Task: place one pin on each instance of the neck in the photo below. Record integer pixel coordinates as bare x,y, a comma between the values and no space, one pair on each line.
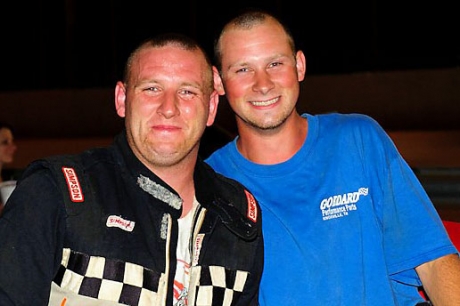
273,146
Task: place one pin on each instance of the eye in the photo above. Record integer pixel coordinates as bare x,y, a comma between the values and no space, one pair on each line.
187,92
275,64
242,70
152,89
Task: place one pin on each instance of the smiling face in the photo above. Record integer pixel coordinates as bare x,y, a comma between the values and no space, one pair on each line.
7,146
167,103
261,74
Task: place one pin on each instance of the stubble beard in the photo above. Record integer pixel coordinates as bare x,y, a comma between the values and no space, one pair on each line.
266,124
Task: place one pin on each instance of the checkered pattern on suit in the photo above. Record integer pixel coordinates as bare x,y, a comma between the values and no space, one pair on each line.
216,286
107,279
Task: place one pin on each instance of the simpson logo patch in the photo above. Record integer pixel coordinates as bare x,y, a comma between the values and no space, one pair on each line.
197,248
117,221
252,207
75,192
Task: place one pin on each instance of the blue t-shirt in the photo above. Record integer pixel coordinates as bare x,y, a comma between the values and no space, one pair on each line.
345,220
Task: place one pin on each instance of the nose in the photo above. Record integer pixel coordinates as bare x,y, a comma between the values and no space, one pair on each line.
168,107
263,82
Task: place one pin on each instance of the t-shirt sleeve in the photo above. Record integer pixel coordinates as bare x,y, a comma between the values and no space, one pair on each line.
413,232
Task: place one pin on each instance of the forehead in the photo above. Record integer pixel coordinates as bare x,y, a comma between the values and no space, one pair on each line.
171,61
5,132
267,37
170,56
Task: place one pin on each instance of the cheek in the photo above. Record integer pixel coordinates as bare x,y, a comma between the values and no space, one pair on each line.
189,113
190,108
237,88
290,80
196,115
139,111
292,85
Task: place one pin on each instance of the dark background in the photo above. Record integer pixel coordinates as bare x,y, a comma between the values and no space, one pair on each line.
395,60
83,44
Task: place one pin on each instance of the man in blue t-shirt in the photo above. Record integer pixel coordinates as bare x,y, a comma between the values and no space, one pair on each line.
346,222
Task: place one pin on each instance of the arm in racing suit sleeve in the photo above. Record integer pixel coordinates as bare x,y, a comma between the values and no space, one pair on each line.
32,230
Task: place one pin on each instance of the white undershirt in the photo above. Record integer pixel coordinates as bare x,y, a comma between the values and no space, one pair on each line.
182,277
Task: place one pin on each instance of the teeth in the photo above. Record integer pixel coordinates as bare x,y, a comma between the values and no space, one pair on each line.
264,103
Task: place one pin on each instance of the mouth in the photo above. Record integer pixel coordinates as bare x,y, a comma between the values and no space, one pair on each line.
265,103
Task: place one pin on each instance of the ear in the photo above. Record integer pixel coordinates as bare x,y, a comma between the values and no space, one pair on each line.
120,99
218,86
213,103
301,65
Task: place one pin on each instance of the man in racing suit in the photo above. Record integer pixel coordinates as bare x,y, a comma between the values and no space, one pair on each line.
103,228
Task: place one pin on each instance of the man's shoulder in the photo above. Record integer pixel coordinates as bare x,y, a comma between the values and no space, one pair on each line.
230,194
80,161
345,118
347,123
56,164
222,181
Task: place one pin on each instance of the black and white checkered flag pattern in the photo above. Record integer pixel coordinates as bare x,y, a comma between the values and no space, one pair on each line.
216,286
107,279
131,284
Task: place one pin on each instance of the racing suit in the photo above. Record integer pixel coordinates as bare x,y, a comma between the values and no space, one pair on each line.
99,228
